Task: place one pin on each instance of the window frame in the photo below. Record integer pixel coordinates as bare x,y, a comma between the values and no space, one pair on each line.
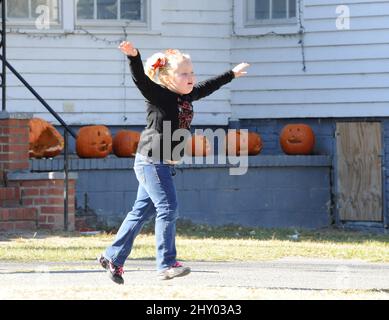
270,21
245,27
115,23
68,23
29,23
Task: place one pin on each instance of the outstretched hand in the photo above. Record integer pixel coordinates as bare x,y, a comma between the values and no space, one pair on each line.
240,69
128,49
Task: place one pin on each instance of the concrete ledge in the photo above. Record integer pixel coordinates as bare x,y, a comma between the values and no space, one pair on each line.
16,176
291,161
113,162
4,115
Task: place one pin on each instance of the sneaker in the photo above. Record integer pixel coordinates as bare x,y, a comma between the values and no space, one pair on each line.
115,273
104,262
176,270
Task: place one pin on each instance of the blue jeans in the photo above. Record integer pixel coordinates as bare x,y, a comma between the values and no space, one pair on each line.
156,196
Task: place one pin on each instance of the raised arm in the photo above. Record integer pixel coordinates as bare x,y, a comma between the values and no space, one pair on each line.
207,87
149,89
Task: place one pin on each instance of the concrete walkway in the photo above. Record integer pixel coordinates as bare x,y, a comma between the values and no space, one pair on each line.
292,278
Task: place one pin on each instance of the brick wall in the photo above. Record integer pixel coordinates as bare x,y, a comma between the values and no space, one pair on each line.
45,193
14,144
29,200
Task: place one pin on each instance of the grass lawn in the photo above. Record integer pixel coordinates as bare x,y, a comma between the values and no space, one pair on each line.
203,243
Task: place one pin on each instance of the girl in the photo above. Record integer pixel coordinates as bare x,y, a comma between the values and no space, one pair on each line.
169,86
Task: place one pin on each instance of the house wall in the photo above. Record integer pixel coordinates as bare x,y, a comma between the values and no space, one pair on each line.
346,71
334,75
86,78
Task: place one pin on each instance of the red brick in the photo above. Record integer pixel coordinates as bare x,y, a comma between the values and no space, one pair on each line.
46,226
51,226
7,226
34,183
29,192
14,123
9,193
15,148
18,158
51,191
4,214
26,214
52,210
39,201
27,202
57,183
19,139
15,131
13,183
25,225
55,201
9,203
16,165
15,214
50,219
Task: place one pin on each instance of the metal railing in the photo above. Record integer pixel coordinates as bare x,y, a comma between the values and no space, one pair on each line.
67,129
3,45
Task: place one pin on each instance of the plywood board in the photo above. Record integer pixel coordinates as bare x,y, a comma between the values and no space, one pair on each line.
359,178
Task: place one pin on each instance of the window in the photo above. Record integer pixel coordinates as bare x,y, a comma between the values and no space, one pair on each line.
258,17
111,10
271,11
28,12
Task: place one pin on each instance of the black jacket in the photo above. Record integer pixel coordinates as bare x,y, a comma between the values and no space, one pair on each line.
165,105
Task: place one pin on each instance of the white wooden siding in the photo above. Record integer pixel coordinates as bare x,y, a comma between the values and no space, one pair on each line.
347,71
93,76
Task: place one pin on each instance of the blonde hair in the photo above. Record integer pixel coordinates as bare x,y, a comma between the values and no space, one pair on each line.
161,65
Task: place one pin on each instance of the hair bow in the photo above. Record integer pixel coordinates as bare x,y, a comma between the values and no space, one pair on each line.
161,62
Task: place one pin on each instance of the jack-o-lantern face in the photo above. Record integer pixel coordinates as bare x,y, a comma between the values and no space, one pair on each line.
243,143
297,139
198,146
44,140
125,143
93,142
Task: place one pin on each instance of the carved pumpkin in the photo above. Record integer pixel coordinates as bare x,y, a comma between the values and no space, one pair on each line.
125,143
297,139
44,140
198,146
93,142
249,143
